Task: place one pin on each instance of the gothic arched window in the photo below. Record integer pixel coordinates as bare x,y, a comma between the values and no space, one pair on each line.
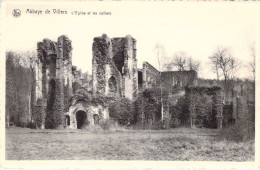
112,84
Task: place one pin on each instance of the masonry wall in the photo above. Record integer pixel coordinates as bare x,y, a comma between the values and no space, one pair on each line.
107,79
114,67
151,76
178,79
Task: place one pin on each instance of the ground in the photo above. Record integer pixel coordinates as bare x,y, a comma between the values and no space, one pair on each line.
172,144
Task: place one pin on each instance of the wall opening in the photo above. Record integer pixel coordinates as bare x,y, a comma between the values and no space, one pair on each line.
119,61
67,120
140,79
96,119
112,85
81,118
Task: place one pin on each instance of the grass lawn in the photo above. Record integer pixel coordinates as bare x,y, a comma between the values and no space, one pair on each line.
173,144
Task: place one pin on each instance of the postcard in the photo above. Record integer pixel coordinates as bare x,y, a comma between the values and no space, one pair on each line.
122,84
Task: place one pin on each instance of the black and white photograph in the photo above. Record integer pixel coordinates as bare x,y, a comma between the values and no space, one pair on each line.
129,81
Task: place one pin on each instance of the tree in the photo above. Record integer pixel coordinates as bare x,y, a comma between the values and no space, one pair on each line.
215,67
18,87
251,64
182,62
193,64
225,65
161,54
179,61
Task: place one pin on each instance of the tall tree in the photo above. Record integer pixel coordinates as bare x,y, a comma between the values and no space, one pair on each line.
226,66
193,64
251,64
182,62
160,55
18,87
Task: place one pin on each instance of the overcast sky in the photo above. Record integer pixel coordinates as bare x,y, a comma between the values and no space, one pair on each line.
196,28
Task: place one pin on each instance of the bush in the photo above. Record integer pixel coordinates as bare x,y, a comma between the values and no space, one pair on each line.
21,124
147,107
105,124
180,113
31,125
242,130
122,111
110,125
158,125
175,122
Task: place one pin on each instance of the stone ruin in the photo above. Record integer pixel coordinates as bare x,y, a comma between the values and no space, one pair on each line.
114,67
62,92
53,81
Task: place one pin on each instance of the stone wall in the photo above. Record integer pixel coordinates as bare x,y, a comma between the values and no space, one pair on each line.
178,79
150,76
114,67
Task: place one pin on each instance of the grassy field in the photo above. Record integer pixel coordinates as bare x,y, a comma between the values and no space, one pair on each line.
172,144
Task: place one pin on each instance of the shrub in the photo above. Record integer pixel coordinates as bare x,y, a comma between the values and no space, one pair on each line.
110,125
175,122
122,111
242,130
105,124
180,113
147,107
157,125
31,125
21,124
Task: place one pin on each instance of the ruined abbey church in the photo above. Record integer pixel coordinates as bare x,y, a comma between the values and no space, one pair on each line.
114,74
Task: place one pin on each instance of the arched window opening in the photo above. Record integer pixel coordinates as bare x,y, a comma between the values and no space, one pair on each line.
96,119
112,85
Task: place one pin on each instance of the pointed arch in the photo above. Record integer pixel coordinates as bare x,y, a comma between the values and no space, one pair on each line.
112,84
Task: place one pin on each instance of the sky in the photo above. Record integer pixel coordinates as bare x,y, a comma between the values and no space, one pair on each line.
198,29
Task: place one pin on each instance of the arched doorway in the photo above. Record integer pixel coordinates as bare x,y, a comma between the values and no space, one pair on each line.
112,85
81,118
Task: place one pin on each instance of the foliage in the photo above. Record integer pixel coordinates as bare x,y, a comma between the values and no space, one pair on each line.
148,106
122,111
204,105
31,125
242,130
180,113
19,81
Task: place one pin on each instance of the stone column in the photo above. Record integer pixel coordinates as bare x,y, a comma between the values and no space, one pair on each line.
144,76
102,54
218,107
58,107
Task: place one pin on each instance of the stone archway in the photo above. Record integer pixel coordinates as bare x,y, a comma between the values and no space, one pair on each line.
81,117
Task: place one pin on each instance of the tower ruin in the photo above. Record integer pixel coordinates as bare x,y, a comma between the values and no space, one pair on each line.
53,81
114,67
